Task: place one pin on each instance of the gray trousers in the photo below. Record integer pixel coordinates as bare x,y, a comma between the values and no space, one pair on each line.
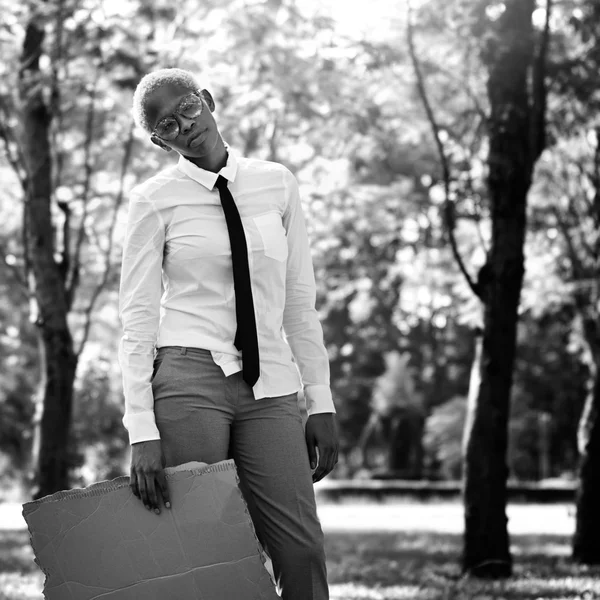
203,415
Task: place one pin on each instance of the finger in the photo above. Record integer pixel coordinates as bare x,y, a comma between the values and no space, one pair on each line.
143,490
328,463
312,452
321,468
152,495
331,461
133,484
318,474
162,486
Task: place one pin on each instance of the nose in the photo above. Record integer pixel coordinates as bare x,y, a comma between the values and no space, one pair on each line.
185,124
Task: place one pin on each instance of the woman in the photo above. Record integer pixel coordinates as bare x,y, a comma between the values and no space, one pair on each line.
207,372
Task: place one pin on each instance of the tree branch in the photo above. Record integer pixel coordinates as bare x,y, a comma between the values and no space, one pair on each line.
14,156
64,265
477,218
595,178
579,270
576,220
73,279
16,272
448,205
54,104
107,254
466,87
539,91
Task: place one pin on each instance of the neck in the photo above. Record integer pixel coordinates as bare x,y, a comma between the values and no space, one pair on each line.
215,160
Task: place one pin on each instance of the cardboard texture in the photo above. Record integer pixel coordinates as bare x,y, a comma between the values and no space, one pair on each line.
101,542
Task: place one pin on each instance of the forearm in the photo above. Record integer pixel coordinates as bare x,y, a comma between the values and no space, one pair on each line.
139,312
305,336
136,358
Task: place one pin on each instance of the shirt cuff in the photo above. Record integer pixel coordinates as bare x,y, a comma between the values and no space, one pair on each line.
141,427
318,399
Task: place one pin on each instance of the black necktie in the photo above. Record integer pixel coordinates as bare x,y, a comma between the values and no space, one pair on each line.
246,338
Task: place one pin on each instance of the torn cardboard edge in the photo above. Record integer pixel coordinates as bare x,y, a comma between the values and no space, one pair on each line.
107,486
100,487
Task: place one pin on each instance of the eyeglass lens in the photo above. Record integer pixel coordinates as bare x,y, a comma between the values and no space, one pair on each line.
168,128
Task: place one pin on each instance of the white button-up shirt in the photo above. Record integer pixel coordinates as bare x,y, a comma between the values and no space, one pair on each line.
176,285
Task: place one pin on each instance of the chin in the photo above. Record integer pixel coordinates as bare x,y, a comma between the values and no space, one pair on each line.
193,152
202,150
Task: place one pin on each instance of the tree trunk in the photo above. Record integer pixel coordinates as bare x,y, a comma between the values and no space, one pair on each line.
59,361
586,541
405,445
508,55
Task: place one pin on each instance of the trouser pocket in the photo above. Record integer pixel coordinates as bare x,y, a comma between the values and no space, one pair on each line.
159,362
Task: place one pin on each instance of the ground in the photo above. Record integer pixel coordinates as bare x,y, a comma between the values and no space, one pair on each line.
396,551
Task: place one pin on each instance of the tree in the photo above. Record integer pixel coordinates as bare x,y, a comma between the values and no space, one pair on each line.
568,207
46,274
55,159
516,138
569,201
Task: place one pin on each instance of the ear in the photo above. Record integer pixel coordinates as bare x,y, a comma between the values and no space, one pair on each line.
208,99
160,143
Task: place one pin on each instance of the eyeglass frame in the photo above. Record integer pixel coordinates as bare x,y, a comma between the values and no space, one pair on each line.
176,112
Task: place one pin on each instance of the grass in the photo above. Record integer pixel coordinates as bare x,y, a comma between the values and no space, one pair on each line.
424,566
378,553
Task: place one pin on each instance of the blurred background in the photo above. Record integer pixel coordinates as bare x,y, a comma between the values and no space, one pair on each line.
387,127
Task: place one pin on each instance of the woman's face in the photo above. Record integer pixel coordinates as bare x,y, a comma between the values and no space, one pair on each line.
197,136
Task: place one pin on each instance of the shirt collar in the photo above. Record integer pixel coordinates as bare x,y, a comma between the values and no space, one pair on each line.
208,178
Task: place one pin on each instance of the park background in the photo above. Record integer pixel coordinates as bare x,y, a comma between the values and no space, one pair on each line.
393,122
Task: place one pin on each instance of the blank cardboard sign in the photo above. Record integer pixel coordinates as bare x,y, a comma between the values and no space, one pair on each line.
101,542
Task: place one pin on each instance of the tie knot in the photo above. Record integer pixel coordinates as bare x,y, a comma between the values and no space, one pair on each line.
221,182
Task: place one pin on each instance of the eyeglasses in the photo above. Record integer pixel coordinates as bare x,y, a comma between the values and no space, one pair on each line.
168,128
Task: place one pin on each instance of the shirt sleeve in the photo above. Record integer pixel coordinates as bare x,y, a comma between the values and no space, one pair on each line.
139,311
300,318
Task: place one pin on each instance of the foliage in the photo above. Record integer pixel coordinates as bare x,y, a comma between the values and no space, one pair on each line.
99,440
342,111
443,438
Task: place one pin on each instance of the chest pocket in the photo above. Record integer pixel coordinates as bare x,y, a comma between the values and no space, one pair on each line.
273,236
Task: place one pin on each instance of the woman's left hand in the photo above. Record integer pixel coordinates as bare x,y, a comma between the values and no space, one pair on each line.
322,432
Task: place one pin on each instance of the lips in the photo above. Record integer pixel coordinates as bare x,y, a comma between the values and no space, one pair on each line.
197,139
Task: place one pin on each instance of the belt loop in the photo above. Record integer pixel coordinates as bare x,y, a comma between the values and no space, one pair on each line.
182,350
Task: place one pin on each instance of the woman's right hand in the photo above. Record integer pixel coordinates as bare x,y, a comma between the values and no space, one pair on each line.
147,478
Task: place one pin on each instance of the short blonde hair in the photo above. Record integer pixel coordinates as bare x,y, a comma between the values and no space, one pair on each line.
153,81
